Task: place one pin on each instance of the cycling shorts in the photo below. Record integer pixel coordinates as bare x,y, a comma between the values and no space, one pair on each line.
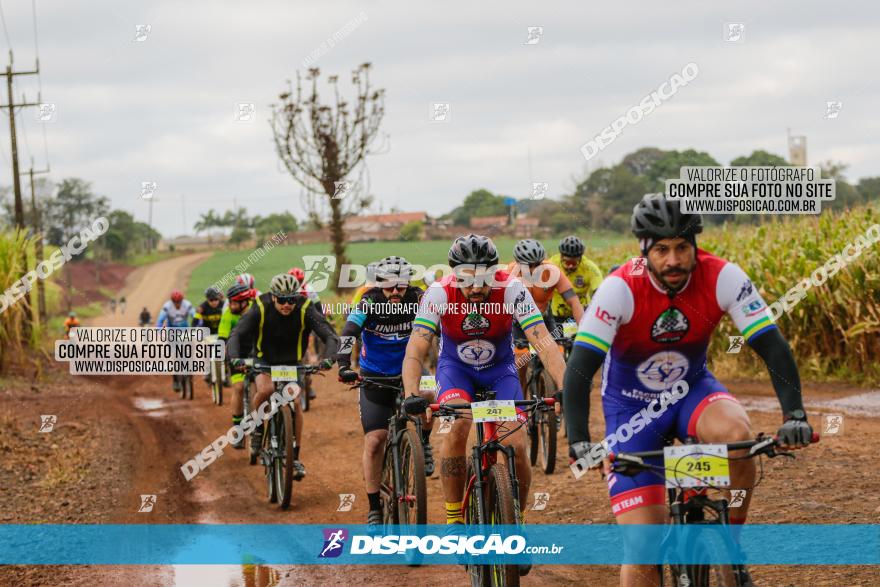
376,405
460,382
679,420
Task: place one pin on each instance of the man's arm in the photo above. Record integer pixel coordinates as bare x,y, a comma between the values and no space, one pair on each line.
548,351
414,360
350,329
319,324
241,339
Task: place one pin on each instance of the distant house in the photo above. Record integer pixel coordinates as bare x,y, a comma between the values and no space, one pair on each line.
523,226
366,228
193,243
489,225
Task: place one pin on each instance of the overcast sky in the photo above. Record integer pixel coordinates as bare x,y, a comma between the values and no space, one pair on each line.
163,109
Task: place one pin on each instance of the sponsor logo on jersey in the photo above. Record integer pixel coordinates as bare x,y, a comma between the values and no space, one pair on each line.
670,326
663,369
475,324
745,291
605,317
579,281
477,353
753,309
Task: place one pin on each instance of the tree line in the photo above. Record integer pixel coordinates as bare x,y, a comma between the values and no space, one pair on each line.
604,199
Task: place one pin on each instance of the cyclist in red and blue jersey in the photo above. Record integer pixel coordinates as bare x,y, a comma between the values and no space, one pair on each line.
474,310
649,324
176,313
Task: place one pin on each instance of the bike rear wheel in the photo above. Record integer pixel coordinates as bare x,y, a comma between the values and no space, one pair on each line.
533,429
412,508
547,427
283,461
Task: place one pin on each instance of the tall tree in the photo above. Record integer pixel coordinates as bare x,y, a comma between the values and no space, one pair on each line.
322,145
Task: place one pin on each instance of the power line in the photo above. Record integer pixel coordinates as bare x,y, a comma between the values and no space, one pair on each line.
5,31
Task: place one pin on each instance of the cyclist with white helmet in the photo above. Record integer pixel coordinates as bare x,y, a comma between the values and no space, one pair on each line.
383,322
277,327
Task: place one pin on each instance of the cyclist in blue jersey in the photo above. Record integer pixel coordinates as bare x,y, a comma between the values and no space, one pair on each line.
383,320
176,313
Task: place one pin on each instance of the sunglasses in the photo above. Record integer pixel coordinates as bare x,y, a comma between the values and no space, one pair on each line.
286,300
395,286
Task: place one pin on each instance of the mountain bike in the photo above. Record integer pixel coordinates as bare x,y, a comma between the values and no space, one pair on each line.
279,437
403,487
689,502
492,491
543,424
216,375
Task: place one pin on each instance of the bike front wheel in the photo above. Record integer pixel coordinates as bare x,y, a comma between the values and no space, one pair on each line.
501,507
412,503
283,461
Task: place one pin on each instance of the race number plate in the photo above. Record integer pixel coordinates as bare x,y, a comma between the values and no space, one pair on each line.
696,465
496,410
283,373
428,383
569,328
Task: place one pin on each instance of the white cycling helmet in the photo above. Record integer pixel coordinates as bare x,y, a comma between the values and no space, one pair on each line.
284,285
246,279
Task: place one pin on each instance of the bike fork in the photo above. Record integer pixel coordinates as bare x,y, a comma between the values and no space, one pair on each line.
510,454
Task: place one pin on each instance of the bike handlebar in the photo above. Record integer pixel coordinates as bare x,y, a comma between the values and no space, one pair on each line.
757,446
546,401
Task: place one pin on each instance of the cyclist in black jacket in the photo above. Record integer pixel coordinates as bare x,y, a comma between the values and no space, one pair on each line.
277,327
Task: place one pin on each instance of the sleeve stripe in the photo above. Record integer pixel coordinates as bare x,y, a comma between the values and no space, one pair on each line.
531,321
425,323
590,346
757,326
588,340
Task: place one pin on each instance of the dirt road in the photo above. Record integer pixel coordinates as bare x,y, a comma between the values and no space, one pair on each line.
134,434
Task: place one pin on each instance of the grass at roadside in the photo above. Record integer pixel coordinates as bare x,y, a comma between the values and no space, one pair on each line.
282,258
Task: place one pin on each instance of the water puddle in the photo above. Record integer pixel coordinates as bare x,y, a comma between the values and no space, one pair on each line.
226,575
147,404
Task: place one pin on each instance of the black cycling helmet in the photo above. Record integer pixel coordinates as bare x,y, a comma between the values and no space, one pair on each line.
473,249
571,246
529,251
237,291
212,293
657,218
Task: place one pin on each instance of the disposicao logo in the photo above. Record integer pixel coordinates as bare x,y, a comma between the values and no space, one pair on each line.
334,539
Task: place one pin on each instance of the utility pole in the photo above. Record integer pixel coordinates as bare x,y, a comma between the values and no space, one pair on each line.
16,180
37,222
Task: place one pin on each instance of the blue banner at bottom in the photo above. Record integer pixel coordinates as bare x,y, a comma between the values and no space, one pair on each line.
143,544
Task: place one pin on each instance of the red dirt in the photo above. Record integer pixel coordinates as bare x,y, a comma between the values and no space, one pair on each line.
129,436
89,278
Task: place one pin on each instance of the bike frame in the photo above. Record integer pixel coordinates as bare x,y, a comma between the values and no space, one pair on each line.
485,453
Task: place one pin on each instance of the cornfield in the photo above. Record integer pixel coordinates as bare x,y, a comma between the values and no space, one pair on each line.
12,345
834,331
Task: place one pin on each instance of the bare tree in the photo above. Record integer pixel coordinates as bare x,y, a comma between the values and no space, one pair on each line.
323,146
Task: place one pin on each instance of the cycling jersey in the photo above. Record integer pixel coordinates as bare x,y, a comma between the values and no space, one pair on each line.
356,298
584,279
650,341
476,347
175,317
207,316
384,329
543,283
228,320
280,339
